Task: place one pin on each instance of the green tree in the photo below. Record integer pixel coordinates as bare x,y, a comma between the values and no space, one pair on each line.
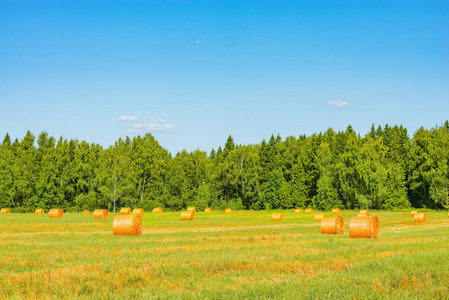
114,173
327,196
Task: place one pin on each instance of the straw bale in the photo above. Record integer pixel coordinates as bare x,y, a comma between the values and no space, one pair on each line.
157,210
191,209
228,210
188,215
318,217
125,211
39,211
298,211
5,211
139,211
130,224
364,227
414,212
309,211
333,225
363,213
101,214
56,213
208,210
336,211
86,211
277,217
420,218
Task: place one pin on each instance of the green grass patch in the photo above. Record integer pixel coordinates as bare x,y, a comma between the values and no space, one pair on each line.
241,255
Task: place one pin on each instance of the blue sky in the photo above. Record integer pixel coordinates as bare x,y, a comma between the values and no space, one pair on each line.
193,72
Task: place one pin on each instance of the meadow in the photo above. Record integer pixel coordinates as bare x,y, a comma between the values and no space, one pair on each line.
239,255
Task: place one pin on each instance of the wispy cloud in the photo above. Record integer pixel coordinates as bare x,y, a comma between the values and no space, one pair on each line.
127,118
135,131
338,104
147,124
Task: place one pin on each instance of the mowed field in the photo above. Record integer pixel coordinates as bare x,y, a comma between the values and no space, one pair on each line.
241,255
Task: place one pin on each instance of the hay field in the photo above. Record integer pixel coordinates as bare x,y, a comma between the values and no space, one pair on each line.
222,256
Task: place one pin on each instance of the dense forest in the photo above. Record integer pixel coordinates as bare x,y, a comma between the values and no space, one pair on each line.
384,169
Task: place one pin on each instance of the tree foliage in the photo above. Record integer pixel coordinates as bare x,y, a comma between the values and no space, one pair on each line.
384,169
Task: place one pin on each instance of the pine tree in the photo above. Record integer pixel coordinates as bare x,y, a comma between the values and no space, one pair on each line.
229,146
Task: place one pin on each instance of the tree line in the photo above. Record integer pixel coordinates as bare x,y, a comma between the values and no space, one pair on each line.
384,169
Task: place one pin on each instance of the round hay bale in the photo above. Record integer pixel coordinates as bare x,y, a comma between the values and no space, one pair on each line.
298,211
414,212
86,211
139,211
56,213
157,210
363,214
333,225
309,211
228,210
364,211
188,215
318,217
336,211
191,209
277,217
101,214
208,210
125,211
5,211
39,211
420,218
364,227
130,224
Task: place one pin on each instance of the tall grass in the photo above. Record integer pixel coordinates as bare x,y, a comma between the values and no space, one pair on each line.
222,256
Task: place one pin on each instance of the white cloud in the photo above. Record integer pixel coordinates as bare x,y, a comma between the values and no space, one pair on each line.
135,131
127,118
338,104
147,124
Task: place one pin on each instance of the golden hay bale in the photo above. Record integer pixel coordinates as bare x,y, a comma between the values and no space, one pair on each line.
191,209
363,213
336,211
188,215
228,210
39,211
309,211
414,212
318,217
101,214
298,211
86,211
277,217
333,225
420,218
139,211
364,227
5,211
157,210
130,224
208,210
56,213
125,211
